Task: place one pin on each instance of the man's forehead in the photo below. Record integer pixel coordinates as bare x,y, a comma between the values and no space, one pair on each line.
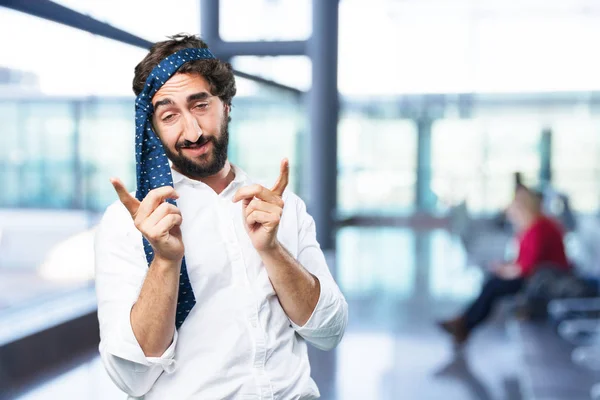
182,84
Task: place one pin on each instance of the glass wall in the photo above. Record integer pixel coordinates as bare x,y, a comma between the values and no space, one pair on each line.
534,57
459,46
66,61
377,159
576,160
149,19
106,149
477,144
239,20
268,124
292,71
60,154
475,160
377,262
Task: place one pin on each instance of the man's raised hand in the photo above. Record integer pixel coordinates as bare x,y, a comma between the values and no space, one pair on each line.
158,220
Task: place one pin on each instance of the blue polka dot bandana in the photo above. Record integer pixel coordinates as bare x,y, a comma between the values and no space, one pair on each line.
152,164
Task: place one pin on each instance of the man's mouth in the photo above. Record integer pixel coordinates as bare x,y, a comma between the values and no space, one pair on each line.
196,148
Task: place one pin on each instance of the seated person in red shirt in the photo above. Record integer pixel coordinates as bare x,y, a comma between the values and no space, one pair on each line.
540,242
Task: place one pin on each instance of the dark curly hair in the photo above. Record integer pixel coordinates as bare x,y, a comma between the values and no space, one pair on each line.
219,74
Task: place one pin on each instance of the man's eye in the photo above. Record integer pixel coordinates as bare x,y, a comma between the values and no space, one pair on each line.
168,118
201,106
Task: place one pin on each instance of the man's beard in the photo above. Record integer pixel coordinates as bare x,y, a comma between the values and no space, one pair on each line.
207,164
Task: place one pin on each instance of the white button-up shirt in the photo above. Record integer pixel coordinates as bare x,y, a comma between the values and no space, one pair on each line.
237,342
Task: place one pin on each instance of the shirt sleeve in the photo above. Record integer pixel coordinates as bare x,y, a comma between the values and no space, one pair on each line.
120,272
325,327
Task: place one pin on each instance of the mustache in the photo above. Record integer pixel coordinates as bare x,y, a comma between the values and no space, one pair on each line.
200,142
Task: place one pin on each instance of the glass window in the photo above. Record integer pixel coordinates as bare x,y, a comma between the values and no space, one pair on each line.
46,144
12,158
253,20
293,71
450,276
456,175
107,149
377,159
512,145
267,125
576,161
66,61
152,20
376,261
413,64
487,46
476,160
58,129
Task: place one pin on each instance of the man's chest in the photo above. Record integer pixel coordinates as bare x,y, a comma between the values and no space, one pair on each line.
218,251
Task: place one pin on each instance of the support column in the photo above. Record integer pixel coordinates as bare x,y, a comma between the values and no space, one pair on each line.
79,194
424,199
323,110
323,107
546,157
209,24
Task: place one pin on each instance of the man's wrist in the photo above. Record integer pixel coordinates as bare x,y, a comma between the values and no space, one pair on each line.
274,251
164,264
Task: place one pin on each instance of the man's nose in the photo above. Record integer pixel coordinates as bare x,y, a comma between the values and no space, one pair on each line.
192,130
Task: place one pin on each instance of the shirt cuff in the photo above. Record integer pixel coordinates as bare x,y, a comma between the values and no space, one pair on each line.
130,349
318,317
167,359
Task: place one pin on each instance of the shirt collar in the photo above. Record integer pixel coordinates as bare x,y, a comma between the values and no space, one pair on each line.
239,178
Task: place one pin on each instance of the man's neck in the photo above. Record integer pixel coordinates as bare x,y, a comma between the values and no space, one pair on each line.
219,181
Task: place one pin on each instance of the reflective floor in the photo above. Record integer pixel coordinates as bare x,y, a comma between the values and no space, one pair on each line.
397,284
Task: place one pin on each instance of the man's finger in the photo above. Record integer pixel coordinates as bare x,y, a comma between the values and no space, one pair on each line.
247,193
261,217
260,205
131,203
167,223
160,212
284,177
154,199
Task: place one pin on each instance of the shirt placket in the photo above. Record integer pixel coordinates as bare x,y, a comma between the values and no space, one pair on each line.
242,280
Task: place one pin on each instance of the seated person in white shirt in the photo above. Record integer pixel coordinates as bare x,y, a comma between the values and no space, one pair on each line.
261,285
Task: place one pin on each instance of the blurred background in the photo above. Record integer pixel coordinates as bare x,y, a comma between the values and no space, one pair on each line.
405,122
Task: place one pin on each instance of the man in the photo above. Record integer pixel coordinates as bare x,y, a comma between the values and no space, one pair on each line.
208,285
540,243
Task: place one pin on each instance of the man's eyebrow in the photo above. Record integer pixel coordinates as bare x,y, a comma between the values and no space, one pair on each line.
198,96
190,98
164,102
